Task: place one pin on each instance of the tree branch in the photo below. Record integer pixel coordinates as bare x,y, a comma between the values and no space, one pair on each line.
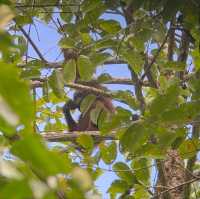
147,69
31,42
138,88
176,187
72,136
89,88
60,64
191,162
22,5
36,83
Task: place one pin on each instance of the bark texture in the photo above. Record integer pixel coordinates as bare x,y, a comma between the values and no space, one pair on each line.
171,174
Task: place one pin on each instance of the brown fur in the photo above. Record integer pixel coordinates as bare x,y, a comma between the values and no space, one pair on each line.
85,123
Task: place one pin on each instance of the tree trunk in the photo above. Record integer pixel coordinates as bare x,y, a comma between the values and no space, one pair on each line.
171,174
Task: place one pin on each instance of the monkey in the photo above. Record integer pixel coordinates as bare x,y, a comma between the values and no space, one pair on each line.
84,122
103,102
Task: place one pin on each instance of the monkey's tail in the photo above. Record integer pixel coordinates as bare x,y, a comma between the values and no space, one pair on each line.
70,121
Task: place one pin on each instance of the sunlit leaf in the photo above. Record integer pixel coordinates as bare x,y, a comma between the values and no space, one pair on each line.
124,172
86,67
82,177
87,103
134,137
16,93
85,141
117,186
108,152
110,26
45,163
56,81
6,15
69,71
18,189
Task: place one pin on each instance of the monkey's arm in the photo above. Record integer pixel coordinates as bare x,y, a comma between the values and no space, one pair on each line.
70,105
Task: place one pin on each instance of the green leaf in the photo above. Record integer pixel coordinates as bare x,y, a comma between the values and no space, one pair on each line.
30,73
89,5
95,113
108,122
141,192
141,166
56,82
117,186
165,101
66,43
15,92
86,68
92,15
106,43
23,20
104,77
22,44
18,189
6,45
174,65
108,152
43,162
134,137
86,103
99,58
66,14
126,97
196,58
45,91
194,84
6,15
184,113
149,150
134,59
82,178
86,38
85,141
110,26
124,172
70,71
189,148
34,64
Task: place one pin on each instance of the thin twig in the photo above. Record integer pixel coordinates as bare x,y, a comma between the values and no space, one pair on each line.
21,5
31,42
155,57
176,187
60,64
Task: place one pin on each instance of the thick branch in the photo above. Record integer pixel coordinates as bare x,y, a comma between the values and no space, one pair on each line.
171,42
97,91
72,136
89,88
191,162
36,83
161,180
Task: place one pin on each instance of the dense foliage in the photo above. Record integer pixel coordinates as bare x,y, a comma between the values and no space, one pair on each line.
157,41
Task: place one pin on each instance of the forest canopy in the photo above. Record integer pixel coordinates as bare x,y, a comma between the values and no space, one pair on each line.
127,75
